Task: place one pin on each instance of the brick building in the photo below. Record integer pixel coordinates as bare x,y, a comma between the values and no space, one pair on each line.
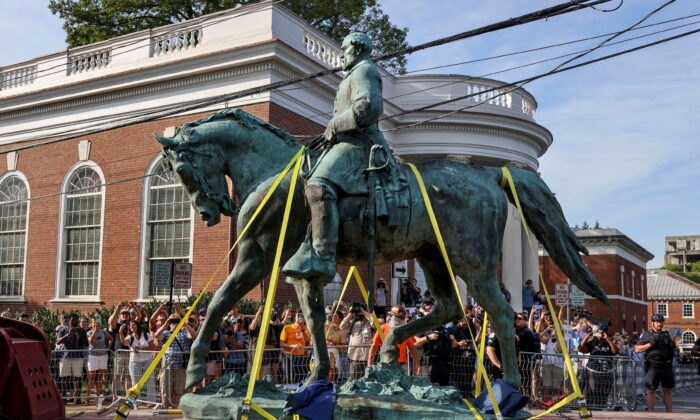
677,299
619,264
83,220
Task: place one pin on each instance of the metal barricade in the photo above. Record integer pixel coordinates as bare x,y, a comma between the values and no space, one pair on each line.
130,366
82,376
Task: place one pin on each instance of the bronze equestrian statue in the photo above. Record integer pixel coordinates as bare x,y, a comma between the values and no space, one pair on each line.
468,202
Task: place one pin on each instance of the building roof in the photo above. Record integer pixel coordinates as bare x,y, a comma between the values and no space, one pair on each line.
666,285
612,236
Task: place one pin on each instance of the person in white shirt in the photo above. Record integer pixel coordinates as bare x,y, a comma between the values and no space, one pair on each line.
140,344
381,297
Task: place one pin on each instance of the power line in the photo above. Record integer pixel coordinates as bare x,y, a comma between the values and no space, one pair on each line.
513,85
563,8
521,82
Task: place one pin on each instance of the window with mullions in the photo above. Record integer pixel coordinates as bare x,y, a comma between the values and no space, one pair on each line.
662,309
688,338
688,311
13,235
83,227
169,224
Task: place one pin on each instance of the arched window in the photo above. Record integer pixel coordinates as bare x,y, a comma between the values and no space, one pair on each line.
168,230
82,233
688,338
13,235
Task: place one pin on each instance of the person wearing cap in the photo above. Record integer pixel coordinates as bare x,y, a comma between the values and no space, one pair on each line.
599,343
361,332
659,348
293,340
397,317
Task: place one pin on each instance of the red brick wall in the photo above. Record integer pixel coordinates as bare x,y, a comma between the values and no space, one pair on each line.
624,314
675,315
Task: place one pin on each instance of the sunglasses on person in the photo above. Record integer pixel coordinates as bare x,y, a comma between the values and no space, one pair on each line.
520,318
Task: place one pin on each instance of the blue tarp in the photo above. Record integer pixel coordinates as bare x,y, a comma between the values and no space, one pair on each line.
509,400
314,402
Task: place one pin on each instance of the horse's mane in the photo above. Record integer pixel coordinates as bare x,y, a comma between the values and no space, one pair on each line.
241,117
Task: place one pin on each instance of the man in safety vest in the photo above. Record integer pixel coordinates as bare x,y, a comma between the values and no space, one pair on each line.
659,349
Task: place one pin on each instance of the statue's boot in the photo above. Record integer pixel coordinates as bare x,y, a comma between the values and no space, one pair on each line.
318,258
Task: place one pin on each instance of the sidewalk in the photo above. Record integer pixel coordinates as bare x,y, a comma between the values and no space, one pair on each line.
686,405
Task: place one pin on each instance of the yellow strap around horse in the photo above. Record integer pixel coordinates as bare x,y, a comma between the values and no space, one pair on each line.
272,290
507,179
443,250
133,392
481,350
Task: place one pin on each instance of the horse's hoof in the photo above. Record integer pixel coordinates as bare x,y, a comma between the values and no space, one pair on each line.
196,372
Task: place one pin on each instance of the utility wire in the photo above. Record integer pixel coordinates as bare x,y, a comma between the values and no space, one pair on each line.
563,8
514,85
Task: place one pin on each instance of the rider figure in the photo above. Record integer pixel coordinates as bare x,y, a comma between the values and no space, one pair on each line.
351,133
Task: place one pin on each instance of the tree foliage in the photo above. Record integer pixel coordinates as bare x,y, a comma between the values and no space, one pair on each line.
88,21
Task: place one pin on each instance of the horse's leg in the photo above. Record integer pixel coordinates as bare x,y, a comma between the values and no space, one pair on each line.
446,308
483,283
249,269
310,293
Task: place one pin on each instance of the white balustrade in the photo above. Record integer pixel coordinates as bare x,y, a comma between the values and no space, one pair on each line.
18,77
92,60
528,107
500,97
321,50
174,42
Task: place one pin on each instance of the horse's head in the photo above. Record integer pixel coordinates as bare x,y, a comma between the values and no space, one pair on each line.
201,171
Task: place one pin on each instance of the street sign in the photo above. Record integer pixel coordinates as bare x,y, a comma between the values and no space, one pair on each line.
562,294
182,275
399,269
162,271
577,297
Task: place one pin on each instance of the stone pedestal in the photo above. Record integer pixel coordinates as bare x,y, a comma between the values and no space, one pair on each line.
383,393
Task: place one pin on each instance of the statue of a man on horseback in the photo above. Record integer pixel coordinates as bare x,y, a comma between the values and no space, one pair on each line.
349,137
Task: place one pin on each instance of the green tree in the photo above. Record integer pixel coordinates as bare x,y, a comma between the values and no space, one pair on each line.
88,21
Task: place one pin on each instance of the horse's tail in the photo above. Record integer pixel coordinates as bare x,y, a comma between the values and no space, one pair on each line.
546,220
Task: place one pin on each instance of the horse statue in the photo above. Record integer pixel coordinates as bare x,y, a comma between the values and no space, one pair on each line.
468,202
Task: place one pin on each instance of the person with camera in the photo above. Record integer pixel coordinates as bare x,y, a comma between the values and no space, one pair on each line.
293,340
527,346
271,355
552,365
175,358
357,322
437,348
99,341
381,296
74,339
659,348
140,343
335,339
397,317
463,355
120,319
236,345
601,349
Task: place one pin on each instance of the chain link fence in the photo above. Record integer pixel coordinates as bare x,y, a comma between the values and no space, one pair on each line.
606,382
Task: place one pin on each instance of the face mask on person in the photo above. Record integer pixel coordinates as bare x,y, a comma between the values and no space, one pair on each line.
395,321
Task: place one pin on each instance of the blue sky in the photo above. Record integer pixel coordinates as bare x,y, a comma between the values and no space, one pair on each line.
626,143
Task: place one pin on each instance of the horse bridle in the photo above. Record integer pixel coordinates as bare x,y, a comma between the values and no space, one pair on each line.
184,150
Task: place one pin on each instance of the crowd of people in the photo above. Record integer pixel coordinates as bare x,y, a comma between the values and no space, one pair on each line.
97,358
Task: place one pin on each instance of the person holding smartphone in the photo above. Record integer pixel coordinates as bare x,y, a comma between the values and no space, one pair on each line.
601,347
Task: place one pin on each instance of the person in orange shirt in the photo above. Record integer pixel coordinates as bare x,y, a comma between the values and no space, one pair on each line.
293,339
397,317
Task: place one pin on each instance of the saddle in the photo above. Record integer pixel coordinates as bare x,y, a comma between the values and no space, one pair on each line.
391,192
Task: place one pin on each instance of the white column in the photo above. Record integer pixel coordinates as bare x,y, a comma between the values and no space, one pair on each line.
513,258
531,260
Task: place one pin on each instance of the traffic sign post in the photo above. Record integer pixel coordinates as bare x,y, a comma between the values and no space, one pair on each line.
162,272
562,294
182,275
399,269
577,297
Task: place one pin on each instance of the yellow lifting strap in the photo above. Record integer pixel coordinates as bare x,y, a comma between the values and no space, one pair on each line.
443,250
123,411
272,290
353,273
481,349
507,179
